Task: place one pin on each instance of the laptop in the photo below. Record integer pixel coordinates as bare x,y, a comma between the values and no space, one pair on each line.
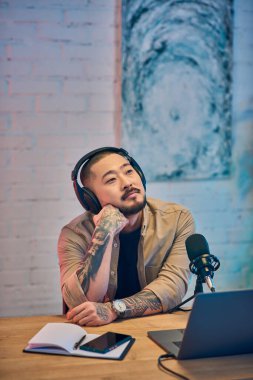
219,324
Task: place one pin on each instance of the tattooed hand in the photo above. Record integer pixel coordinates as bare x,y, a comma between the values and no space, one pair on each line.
109,222
110,219
92,314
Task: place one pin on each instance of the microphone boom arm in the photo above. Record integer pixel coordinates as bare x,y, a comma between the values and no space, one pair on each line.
198,289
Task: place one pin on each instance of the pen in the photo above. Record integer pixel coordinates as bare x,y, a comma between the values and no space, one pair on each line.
77,344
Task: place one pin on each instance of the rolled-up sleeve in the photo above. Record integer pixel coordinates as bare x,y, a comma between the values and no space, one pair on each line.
71,255
171,283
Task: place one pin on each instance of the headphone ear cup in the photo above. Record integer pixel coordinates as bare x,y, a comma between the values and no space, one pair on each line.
143,179
91,201
87,198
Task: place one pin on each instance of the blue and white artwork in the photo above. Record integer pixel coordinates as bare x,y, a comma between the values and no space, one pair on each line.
176,87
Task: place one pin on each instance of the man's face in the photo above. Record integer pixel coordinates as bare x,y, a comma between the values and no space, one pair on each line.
115,182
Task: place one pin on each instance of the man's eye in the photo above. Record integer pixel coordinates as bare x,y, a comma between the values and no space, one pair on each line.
111,180
129,171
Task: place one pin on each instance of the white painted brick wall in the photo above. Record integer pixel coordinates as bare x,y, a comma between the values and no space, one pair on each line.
58,80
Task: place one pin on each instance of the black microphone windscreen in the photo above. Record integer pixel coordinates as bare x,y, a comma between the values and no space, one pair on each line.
196,245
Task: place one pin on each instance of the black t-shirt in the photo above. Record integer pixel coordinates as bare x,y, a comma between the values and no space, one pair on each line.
128,281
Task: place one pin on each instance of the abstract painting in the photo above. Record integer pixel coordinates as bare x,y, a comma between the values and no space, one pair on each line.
176,87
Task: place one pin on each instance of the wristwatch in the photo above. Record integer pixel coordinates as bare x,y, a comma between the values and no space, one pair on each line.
119,307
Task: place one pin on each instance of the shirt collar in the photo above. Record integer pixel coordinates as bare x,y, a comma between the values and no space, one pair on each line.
145,219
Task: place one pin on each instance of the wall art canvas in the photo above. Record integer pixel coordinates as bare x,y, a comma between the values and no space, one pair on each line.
176,87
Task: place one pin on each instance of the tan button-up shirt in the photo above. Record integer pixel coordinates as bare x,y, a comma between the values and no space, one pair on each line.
163,264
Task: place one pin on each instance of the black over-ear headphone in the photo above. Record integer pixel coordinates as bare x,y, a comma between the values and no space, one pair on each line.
86,197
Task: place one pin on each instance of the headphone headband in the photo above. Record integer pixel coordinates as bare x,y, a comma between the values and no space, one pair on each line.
86,197
93,153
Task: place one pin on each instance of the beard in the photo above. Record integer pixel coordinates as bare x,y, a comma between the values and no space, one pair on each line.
131,210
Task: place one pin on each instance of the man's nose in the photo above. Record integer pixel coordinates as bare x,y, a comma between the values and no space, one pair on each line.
126,182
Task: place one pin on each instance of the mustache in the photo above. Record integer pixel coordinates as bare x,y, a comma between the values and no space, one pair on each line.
129,191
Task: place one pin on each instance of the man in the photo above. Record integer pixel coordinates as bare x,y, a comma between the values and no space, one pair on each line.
129,259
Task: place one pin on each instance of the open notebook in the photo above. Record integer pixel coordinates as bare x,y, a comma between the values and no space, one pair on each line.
65,339
220,324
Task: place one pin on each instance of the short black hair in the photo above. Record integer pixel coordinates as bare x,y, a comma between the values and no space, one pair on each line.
85,172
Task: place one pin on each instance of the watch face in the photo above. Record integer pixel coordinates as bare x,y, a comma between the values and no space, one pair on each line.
120,306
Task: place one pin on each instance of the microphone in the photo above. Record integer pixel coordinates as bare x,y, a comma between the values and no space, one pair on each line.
201,262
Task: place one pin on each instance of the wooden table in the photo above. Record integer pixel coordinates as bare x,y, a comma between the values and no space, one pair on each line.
140,362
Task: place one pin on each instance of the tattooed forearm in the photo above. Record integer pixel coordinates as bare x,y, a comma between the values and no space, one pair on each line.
93,261
145,302
83,274
110,222
97,258
98,239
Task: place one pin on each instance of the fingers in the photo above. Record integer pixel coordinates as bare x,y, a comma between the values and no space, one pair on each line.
106,210
89,321
80,311
110,219
91,314
85,320
104,213
84,314
76,310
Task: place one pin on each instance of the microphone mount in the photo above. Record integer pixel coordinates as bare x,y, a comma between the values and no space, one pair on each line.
205,262
204,266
